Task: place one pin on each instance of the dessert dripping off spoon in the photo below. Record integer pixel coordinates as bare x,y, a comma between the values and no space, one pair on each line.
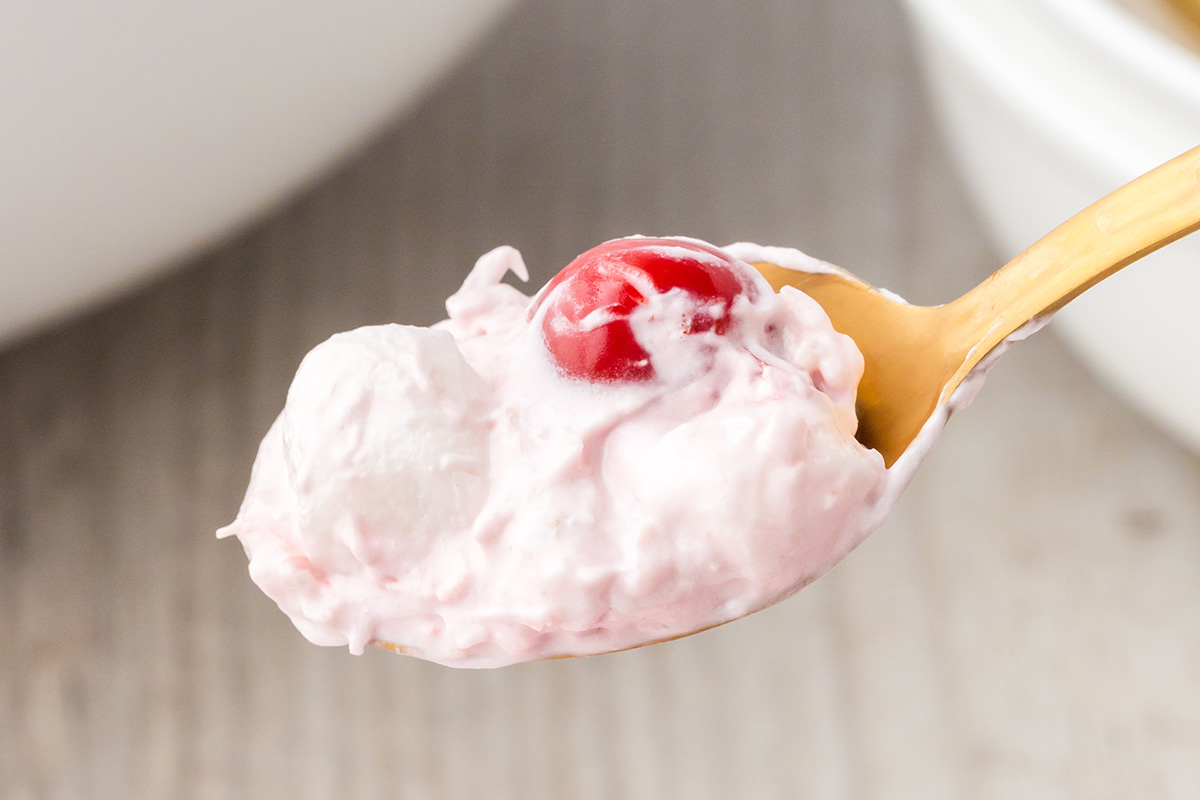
916,356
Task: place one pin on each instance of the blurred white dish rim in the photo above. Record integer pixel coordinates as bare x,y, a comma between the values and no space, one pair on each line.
982,33
1119,30
134,133
1050,104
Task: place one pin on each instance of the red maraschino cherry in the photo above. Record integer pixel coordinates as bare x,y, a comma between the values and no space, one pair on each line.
586,326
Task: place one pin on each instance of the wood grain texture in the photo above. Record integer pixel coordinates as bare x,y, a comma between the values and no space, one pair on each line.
1027,625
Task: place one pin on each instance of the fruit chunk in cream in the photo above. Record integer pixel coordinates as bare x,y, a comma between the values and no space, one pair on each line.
654,444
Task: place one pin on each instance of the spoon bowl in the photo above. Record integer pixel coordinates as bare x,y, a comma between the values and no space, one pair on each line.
916,356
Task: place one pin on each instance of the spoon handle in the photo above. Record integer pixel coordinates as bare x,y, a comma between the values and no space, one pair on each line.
1137,219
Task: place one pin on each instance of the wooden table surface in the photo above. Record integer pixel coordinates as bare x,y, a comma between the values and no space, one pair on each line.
1027,624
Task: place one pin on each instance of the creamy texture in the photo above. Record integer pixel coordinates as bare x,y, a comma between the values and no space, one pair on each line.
449,491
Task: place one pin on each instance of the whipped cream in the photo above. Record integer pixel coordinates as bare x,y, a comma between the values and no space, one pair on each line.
454,493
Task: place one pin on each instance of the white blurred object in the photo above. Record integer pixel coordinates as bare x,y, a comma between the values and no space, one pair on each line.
133,132
1051,104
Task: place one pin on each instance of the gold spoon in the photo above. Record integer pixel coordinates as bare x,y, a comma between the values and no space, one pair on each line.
916,356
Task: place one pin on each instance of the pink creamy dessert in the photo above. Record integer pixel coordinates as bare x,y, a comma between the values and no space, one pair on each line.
655,444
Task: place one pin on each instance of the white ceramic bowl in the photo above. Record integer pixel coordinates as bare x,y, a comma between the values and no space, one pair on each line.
1049,105
133,132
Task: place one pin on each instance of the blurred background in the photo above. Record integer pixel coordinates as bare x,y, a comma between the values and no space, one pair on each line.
190,203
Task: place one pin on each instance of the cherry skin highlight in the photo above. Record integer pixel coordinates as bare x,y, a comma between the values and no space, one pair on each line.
586,325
